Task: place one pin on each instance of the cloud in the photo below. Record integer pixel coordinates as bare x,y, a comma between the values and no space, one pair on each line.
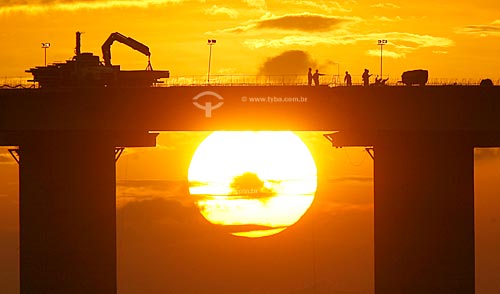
288,62
420,40
215,10
159,148
305,22
491,29
256,3
305,40
482,29
352,179
386,53
164,247
157,210
351,207
336,209
344,38
161,220
249,185
41,6
137,190
386,5
327,6
387,19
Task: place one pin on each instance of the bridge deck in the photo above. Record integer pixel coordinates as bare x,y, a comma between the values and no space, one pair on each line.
361,111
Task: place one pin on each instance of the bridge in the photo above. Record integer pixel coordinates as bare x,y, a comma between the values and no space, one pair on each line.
423,140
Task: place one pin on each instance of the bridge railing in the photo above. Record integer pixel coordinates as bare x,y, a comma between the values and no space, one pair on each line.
250,80
297,80
235,80
258,80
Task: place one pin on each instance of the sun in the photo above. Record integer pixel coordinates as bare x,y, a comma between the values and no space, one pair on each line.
252,184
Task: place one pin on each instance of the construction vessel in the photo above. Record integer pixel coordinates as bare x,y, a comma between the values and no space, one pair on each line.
86,70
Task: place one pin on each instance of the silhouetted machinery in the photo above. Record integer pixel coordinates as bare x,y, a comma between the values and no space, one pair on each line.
486,83
415,77
85,69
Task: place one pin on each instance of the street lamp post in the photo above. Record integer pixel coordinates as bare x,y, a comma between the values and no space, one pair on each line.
210,43
381,43
337,80
45,46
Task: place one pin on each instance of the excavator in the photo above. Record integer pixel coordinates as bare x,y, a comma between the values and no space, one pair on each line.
86,70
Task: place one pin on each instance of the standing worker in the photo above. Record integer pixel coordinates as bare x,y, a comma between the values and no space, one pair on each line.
348,79
316,77
366,77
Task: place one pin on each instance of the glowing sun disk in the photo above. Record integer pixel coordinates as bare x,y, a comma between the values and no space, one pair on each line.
266,180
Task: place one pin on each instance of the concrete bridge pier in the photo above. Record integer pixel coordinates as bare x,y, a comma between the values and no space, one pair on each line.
68,212
424,213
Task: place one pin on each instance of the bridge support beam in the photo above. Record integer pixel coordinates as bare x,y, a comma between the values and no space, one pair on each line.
424,214
68,211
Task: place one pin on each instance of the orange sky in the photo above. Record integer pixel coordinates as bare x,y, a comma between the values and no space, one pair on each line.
164,244
452,39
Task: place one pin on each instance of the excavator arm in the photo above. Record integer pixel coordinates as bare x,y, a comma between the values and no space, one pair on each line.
106,47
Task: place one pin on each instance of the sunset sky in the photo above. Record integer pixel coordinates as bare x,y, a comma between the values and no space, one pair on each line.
452,39
164,243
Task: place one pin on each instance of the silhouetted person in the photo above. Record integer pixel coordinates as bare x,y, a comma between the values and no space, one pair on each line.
366,77
315,77
380,81
348,79
309,77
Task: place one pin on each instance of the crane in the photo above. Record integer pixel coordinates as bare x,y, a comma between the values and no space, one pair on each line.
86,70
106,48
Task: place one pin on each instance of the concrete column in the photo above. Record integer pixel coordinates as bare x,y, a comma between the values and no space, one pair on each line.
67,215
424,214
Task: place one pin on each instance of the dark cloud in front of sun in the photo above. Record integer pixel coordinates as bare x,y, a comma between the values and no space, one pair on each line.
250,185
288,62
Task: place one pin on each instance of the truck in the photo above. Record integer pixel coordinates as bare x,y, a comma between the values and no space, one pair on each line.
415,77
